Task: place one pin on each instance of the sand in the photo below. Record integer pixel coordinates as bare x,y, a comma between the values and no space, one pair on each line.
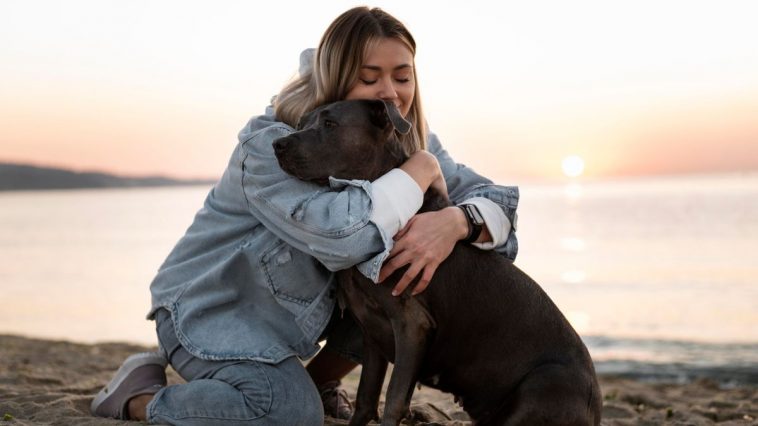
53,382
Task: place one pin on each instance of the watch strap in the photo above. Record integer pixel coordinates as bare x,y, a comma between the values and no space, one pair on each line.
475,222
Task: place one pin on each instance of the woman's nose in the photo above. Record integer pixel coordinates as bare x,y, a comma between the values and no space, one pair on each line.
387,90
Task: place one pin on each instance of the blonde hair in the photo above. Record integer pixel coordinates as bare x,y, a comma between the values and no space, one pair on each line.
336,68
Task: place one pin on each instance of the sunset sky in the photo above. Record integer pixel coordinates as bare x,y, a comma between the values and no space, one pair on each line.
512,88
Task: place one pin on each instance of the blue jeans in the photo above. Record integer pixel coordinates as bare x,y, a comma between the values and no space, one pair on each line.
232,392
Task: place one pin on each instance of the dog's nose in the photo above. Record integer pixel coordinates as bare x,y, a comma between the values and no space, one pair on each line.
280,145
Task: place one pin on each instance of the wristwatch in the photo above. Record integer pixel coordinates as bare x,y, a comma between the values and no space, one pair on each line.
475,222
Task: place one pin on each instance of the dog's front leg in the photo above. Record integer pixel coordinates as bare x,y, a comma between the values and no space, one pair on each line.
410,347
370,388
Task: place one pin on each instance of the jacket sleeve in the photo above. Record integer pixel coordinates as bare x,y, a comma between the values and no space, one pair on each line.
463,184
330,223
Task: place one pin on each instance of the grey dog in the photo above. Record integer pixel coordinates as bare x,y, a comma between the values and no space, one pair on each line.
483,330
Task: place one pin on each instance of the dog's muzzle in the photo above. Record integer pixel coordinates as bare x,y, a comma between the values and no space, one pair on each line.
280,146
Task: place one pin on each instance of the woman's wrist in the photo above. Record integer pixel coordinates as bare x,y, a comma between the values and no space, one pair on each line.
460,222
462,226
423,167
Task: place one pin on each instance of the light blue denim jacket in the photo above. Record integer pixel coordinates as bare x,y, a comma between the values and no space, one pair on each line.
253,277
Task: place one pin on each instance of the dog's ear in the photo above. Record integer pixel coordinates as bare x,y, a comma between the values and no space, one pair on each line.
303,119
401,124
385,113
307,118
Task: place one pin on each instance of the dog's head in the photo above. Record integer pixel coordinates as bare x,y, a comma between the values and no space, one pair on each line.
347,140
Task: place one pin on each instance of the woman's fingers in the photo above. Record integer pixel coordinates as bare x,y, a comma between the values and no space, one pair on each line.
404,230
407,278
395,262
417,264
423,283
423,243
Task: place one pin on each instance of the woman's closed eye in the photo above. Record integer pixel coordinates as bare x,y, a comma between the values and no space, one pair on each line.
370,82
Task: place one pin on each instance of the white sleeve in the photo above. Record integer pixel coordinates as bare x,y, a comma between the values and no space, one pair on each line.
396,198
494,217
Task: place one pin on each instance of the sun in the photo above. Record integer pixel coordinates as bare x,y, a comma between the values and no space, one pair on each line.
573,166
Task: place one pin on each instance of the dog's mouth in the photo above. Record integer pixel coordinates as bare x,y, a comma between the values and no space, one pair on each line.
296,164
294,169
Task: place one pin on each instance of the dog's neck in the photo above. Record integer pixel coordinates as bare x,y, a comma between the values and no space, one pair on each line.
433,201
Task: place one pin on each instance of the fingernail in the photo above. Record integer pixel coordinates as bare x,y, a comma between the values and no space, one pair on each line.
395,292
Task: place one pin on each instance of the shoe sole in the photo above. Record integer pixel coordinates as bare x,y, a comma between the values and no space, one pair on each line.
130,364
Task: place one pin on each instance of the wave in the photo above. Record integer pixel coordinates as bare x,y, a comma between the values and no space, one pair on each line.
660,360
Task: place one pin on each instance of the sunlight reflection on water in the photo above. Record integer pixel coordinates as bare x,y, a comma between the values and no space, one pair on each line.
654,259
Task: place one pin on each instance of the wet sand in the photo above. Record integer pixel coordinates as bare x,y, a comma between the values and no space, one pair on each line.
53,382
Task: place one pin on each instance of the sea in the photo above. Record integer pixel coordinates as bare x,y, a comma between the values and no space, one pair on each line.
659,275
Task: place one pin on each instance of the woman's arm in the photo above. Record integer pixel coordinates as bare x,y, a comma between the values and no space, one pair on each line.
398,194
466,186
330,223
428,238
334,223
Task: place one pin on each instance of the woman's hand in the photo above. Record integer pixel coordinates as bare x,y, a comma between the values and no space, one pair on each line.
425,241
424,168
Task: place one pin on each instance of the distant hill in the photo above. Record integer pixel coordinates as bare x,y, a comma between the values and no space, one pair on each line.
17,177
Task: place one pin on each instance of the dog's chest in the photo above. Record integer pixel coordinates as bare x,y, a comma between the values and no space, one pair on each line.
364,299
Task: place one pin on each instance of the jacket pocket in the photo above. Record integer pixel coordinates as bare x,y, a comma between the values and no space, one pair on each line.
294,278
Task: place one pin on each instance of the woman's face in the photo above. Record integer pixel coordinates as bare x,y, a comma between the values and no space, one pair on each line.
387,74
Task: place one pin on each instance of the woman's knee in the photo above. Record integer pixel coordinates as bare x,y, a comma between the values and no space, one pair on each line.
310,411
295,398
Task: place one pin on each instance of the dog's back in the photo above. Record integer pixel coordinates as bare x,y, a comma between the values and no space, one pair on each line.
496,332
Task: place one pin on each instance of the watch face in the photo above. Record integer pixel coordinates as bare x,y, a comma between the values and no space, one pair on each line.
473,213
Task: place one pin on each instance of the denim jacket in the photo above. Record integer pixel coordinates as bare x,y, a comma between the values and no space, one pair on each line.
253,277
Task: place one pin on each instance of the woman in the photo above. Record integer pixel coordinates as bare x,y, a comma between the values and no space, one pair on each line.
249,289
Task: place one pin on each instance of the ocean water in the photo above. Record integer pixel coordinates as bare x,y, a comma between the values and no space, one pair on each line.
658,275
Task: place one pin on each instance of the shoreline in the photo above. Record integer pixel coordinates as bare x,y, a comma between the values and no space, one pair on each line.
53,382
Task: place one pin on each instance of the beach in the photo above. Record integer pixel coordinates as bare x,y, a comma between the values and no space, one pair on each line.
53,382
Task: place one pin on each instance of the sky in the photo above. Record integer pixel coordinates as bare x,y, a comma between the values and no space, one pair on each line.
512,88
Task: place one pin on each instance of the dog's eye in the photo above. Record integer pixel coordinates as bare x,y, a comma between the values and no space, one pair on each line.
330,124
